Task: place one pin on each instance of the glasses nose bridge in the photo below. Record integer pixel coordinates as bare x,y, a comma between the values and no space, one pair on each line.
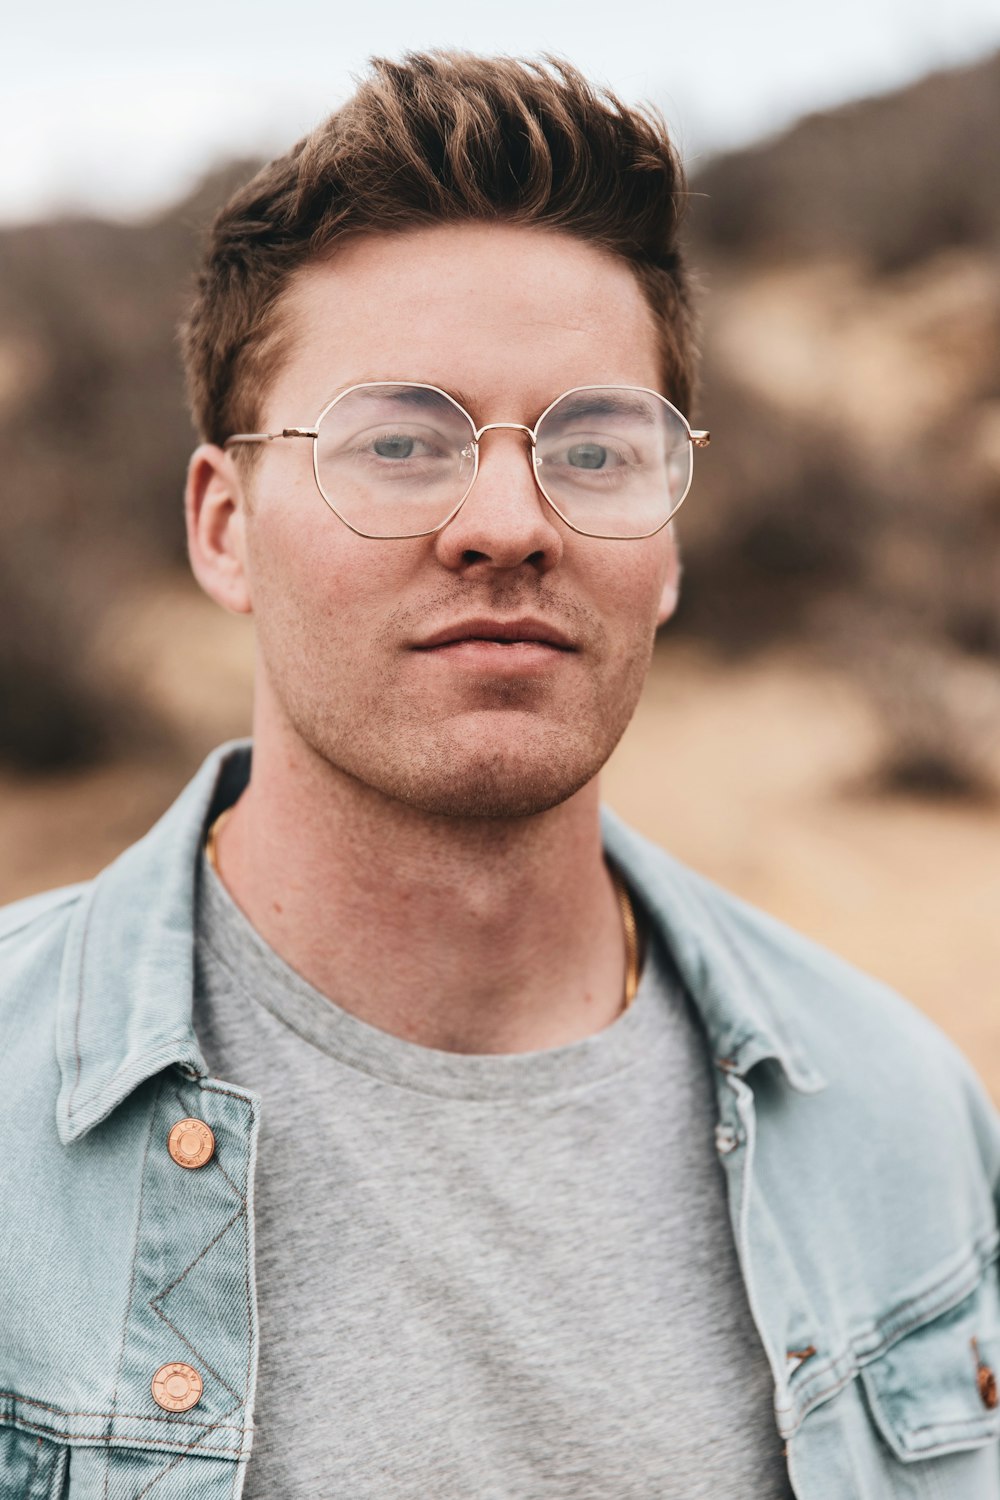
477,433
513,426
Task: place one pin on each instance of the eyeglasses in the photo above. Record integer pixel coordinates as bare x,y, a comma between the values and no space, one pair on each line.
398,459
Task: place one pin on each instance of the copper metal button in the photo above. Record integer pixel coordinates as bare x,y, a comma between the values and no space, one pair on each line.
177,1387
191,1143
985,1380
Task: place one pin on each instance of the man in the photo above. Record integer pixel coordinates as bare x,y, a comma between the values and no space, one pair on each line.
390,1121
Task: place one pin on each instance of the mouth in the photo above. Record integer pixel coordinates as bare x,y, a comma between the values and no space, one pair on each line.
498,634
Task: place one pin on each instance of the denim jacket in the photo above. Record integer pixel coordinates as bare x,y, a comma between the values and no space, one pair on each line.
861,1154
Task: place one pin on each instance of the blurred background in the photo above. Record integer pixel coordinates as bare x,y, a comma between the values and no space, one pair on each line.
821,729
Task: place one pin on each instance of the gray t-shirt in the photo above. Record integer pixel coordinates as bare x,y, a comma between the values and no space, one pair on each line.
486,1277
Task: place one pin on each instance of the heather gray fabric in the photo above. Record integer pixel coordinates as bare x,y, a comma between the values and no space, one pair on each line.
482,1277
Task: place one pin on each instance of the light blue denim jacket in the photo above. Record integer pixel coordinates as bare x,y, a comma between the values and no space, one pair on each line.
861,1154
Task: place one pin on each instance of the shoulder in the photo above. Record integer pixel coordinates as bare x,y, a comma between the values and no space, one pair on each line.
855,1023
33,938
880,1059
35,927
28,916
33,931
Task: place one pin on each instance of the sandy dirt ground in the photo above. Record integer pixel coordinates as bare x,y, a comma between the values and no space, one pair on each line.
750,774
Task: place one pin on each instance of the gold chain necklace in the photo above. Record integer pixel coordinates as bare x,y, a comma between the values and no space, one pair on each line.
213,833
621,891
631,927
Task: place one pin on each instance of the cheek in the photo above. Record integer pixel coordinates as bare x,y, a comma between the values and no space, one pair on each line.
317,587
294,583
632,589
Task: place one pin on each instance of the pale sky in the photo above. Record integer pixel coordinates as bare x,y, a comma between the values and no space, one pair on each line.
118,108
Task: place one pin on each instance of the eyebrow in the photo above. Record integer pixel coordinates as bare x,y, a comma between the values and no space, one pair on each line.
602,406
402,394
420,395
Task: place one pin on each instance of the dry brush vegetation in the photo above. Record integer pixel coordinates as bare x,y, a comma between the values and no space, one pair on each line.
850,500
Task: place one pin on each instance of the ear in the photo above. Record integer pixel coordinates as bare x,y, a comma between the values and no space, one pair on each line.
672,579
214,511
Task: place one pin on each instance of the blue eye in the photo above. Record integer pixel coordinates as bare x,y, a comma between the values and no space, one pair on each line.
587,456
394,447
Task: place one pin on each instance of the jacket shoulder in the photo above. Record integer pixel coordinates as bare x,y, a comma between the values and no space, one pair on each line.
16,916
883,1056
821,991
33,935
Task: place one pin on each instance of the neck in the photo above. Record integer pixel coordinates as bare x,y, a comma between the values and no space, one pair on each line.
466,935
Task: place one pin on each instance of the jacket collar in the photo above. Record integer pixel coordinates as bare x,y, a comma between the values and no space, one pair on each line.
739,965
127,979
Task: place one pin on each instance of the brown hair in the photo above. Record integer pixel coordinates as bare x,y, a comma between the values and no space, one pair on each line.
439,137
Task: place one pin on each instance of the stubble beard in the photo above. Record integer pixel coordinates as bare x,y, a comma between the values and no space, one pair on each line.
513,749
510,761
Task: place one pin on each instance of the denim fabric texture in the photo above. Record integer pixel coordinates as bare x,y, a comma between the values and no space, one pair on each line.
861,1152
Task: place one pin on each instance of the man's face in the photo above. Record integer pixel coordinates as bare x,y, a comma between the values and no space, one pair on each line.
507,318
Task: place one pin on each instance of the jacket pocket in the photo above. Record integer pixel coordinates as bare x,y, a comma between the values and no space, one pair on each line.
32,1467
937,1389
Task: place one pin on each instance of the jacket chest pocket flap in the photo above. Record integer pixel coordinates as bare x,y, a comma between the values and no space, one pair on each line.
937,1389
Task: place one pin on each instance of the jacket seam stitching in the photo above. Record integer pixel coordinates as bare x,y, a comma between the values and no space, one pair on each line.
901,1436
153,1301
229,1094
34,1467
181,1456
859,1362
192,1263
232,1184
953,1422
79,1008
215,1162
135,1259
213,1088
196,1352
977,1265
251,1330
25,1424
241,1213
141,1416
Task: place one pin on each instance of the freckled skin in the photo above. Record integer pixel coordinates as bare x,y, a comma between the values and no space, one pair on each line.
337,614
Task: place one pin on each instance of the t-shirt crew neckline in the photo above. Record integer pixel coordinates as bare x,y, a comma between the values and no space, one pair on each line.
268,980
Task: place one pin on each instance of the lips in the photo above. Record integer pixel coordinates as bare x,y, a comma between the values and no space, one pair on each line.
499,632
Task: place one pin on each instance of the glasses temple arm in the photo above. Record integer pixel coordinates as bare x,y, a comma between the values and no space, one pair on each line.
269,437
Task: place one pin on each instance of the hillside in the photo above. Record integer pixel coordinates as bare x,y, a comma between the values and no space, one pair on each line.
850,501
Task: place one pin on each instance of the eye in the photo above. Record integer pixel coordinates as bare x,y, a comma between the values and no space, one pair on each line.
587,456
394,446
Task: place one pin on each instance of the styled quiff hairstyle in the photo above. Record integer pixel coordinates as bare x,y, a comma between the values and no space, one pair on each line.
441,137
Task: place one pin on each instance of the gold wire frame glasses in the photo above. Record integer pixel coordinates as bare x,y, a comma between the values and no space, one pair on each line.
398,459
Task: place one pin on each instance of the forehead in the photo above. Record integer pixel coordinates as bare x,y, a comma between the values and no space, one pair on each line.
499,313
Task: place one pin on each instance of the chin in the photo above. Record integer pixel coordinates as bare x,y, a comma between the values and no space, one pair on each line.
468,769
513,771
491,786
491,796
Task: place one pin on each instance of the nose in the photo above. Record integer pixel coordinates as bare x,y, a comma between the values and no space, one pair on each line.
505,520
